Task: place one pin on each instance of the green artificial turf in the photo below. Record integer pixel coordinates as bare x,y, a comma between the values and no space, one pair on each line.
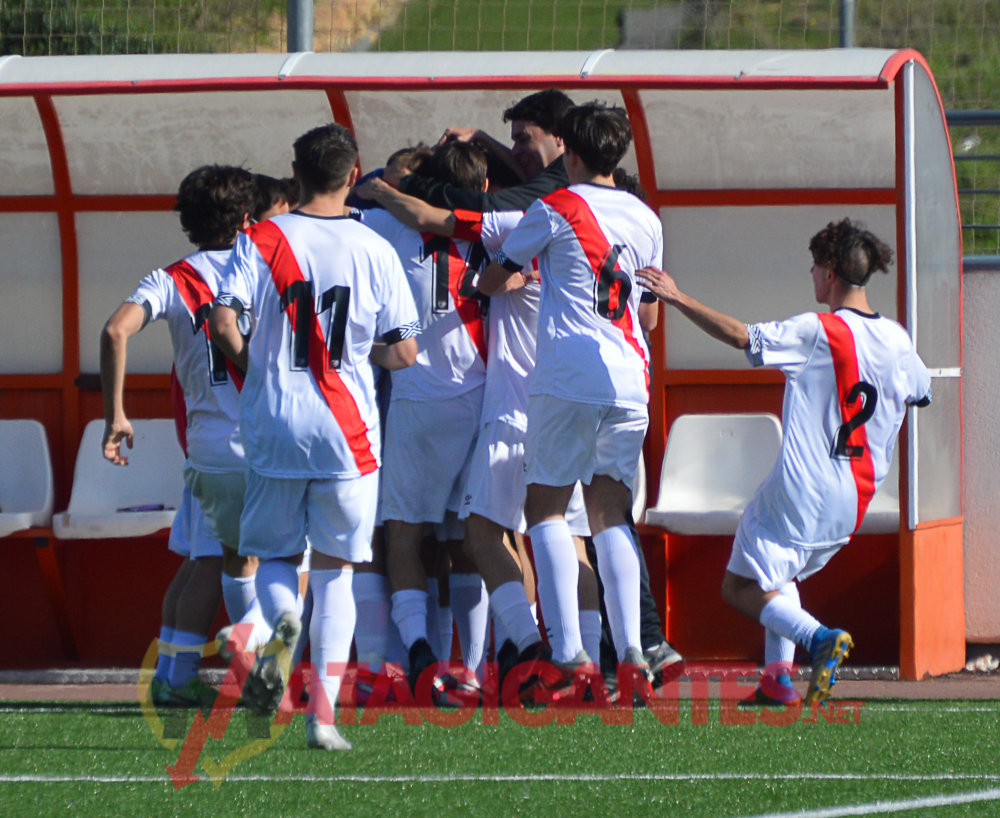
914,740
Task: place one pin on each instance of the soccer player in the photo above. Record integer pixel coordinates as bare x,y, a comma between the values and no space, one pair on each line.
850,373
273,197
434,416
320,286
214,204
587,414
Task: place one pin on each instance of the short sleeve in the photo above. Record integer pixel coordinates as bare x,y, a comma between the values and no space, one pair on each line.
526,241
497,225
397,317
787,345
153,294
920,378
237,287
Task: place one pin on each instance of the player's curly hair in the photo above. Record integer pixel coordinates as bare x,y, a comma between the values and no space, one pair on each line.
852,251
212,202
629,182
599,134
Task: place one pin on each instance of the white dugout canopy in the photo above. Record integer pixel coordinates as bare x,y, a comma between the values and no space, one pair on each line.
744,154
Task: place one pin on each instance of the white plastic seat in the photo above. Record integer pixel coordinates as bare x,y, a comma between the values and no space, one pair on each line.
26,488
711,469
639,491
153,476
882,516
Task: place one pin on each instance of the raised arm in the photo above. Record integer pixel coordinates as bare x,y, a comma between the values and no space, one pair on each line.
722,327
127,320
411,211
223,324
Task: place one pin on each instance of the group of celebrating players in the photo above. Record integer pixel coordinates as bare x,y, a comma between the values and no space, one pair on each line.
383,386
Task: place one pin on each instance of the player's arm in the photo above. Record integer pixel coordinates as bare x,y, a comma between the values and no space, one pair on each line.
720,326
127,320
411,211
497,279
223,324
395,356
487,143
649,314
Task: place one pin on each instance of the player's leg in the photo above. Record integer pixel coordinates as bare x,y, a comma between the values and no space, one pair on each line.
197,606
470,604
437,564
590,603
371,597
758,571
180,544
238,589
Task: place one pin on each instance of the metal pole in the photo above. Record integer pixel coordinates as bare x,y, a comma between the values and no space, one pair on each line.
847,18
300,25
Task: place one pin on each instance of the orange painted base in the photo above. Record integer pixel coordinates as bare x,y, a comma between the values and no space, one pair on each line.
932,601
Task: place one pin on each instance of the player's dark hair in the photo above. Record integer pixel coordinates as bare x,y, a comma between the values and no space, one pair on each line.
598,134
324,157
544,108
292,192
500,174
852,251
212,202
462,164
410,158
628,182
268,193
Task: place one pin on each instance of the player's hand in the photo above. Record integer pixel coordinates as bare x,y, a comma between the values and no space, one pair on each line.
459,135
659,283
370,190
114,434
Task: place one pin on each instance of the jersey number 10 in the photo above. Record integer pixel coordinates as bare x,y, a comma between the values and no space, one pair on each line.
299,295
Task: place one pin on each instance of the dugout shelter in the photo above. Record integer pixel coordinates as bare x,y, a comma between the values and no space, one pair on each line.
744,156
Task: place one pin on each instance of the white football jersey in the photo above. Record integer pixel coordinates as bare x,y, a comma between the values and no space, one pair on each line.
589,241
849,377
320,290
182,294
441,273
513,325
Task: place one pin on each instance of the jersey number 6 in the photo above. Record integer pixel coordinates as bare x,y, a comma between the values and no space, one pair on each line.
841,450
303,314
613,287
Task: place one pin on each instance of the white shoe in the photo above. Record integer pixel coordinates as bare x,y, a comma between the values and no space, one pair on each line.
324,736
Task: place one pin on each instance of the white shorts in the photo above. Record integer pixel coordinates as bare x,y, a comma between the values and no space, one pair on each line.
338,516
569,441
220,495
189,534
756,555
428,449
496,486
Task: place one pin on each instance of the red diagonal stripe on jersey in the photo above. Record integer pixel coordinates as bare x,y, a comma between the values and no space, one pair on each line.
278,255
575,210
196,293
469,309
845,366
468,225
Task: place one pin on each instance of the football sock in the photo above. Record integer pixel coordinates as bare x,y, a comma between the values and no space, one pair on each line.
331,631
558,573
786,618
776,647
618,563
409,612
262,632
187,658
590,633
277,589
433,625
305,616
371,633
164,660
396,651
238,593
534,612
499,629
470,605
513,614
446,632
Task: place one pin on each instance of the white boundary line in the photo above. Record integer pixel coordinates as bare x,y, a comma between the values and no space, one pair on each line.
41,778
891,806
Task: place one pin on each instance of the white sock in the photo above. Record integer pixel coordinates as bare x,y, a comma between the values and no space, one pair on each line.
534,612
262,631
558,573
277,589
618,563
409,612
238,593
776,647
590,632
371,634
396,650
510,608
499,629
446,633
164,660
470,605
785,617
185,664
305,617
331,630
433,625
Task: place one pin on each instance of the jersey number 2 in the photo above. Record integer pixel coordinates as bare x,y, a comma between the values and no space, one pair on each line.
841,450
337,300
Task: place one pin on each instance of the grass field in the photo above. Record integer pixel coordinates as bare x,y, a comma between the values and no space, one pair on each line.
102,760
